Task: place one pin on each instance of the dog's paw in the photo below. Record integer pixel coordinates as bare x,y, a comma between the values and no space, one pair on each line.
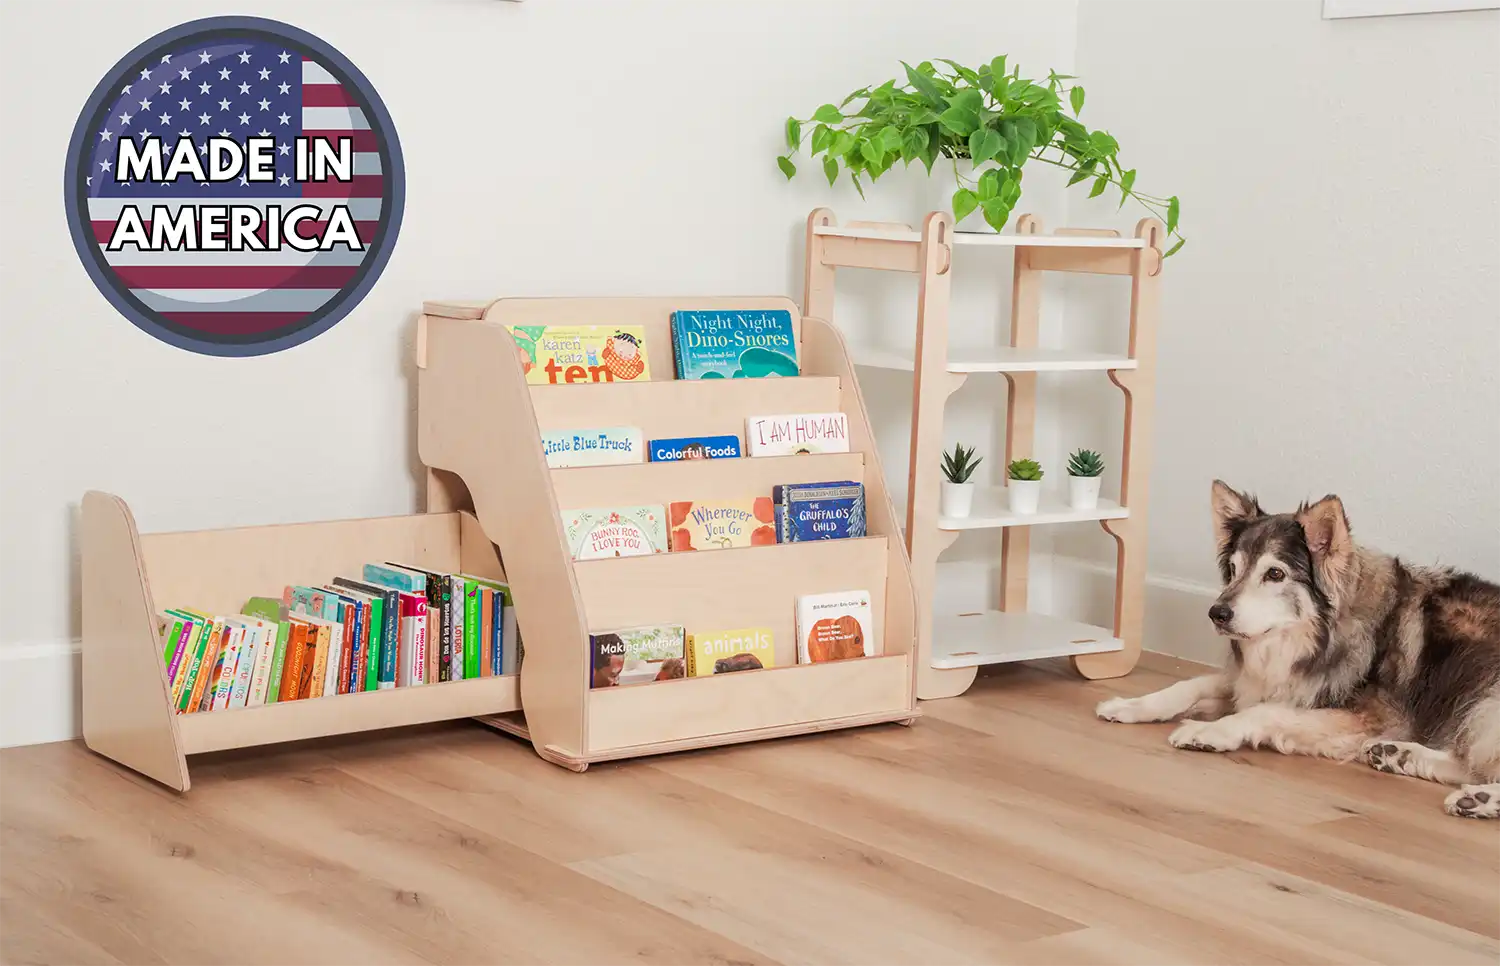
1474,801
1391,757
1124,710
1204,736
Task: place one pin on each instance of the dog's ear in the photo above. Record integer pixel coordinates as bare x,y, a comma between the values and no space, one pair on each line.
1327,530
1232,510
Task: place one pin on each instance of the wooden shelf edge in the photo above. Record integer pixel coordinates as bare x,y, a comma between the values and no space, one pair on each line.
904,715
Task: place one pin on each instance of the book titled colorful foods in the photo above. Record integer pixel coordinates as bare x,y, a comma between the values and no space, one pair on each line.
593,447
797,433
623,531
834,627
694,448
819,511
720,524
720,652
637,655
747,344
554,355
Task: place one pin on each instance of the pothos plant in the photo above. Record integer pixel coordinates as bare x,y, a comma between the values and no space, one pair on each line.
992,117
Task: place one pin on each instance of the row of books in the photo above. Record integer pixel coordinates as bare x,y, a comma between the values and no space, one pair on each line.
394,626
835,626
792,513
792,434
706,344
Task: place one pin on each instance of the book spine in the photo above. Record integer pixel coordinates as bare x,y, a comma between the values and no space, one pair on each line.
234,639
473,631
374,643
420,645
390,651
244,671
354,670
177,646
278,662
390,577
486,632
460,599
296,660
319,680
497,639
182,660
208,669
343,648
510,638
191,675
265,654
445,629
405,670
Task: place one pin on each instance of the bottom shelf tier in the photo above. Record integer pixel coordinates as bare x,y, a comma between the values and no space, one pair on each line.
996,637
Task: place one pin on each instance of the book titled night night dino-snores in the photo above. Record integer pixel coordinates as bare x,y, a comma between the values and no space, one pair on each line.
734,344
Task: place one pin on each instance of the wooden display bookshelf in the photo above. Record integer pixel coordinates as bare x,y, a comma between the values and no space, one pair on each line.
951,647
129,577
468,364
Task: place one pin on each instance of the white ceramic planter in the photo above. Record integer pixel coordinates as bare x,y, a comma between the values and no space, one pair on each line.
1024,495
956,499
1083,492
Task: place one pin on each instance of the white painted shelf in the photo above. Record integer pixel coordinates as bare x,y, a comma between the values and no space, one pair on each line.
992,509
996,637
997,359
961,237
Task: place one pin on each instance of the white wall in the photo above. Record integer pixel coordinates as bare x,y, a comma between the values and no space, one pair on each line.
1333,325
552,147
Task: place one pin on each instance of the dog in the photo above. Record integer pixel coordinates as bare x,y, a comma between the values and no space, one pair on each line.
1343,652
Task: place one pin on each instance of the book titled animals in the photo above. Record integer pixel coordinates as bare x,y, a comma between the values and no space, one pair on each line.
694,448
593,447
721,524
734,344
553,355
637,655
819,511
623,531
835,626
722,652
797,433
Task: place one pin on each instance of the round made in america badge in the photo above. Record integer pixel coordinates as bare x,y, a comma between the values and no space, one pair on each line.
234,186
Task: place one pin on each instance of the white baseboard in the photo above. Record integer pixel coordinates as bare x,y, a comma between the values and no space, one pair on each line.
39,693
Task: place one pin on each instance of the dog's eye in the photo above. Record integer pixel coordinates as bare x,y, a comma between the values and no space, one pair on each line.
1275,575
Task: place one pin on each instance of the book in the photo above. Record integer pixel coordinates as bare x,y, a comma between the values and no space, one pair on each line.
380,657
192,668
485,612
208,673
323,635
623,531
637,655
292,673
593,447
438,624
720,652
322,608
463,630
174,630
835,626
369,626
229,662
265,656
796,434
413,647
819,511
720,524
346,614
694,448
402,579
502,623
745,344
553,355
271,609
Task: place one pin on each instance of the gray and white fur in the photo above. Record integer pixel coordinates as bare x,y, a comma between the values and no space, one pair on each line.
1343,652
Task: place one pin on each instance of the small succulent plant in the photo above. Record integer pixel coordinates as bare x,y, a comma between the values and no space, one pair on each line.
1085,462
1025,470
959,465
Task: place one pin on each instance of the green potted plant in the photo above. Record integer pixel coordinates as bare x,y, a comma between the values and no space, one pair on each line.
1084,469
989,121
1025,485
957,497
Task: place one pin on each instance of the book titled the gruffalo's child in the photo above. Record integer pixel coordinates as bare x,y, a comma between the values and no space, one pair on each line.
555,355
746,344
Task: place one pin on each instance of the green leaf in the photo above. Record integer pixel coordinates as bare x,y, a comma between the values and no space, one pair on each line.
870,150
1103,143
822,136
997,67
964,203
1010,191
1126,180
989,185
1173,250
967,99
1082,174
1001,87
793,133
1026,133
1100,183
984,144
930,152
1173,210
959,121
913,142
996,213
857,186
842,142
828,114
961,71
787,167
862,92
890,138
924,85
1075,98
831,169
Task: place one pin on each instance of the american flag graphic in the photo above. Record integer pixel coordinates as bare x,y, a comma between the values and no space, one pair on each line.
239,90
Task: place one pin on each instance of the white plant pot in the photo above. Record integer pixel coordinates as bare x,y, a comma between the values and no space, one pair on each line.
1024,495
1083,492
956,499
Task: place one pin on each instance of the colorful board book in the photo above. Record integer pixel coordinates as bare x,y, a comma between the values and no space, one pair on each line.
593,447
694,448
744,344
720,652
721,524
819,511
553,355
623,531
835,626
797,433
637,655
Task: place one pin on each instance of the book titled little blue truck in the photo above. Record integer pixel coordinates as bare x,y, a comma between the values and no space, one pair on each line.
734,345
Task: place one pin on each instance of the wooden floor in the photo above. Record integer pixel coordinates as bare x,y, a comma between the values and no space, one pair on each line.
1006,826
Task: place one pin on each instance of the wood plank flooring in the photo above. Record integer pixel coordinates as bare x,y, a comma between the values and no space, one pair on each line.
1006,826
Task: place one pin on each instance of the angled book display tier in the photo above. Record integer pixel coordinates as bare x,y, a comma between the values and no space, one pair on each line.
467,363
950,647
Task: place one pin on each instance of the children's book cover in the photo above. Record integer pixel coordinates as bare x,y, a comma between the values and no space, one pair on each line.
637,655
694,448
834,626
625,531
720,524
593,447
797,433
720,652
819,511
554,355
749,344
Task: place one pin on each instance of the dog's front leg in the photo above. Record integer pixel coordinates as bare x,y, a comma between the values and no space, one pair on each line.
1320,732
1164,705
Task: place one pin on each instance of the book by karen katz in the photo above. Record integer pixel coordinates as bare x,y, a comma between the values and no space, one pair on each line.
797,433
554,355
749,344
593,447
624,531
694,448
720,524
721,652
